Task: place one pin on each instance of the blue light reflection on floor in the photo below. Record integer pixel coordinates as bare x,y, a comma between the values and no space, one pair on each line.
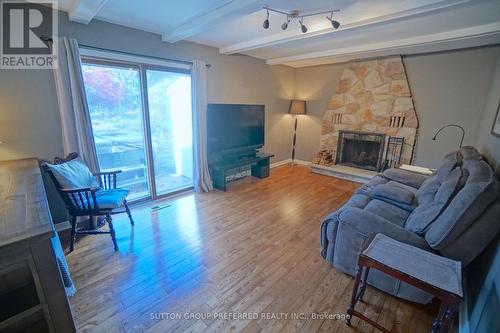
163,250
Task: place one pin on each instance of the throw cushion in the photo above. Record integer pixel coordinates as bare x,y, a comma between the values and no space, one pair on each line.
73,174
111,198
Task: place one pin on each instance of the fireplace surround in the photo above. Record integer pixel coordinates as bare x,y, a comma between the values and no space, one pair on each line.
373,97
360,149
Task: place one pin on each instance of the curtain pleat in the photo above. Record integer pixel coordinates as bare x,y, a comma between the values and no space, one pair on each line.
75,118
201,178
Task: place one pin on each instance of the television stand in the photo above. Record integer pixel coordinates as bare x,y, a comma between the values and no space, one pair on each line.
259,163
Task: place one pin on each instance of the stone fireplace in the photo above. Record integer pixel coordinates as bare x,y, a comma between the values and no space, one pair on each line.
370,122
360,149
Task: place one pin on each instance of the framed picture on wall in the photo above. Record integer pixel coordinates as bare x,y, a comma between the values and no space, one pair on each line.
495,130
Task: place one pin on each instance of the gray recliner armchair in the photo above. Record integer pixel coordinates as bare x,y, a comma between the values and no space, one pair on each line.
455,212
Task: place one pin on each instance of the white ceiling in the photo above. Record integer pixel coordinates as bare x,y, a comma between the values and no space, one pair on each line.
368,27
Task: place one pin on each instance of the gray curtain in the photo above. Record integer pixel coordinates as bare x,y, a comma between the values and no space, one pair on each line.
73,109
201,177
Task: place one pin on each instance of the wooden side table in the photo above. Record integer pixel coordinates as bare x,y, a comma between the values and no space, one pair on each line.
439,276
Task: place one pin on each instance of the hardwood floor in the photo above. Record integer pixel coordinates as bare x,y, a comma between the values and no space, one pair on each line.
252,249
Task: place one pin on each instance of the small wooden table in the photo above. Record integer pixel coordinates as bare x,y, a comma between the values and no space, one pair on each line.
32,292
439,276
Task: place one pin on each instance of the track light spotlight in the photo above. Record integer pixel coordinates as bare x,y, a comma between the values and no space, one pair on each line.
302,26
265,25
284,26
335,24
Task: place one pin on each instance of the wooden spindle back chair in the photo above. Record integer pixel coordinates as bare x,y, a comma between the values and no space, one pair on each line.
85,201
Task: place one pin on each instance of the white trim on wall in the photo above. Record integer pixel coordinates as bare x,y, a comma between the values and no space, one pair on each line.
117,56
288,161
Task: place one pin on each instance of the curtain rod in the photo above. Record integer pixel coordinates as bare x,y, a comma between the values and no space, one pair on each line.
49,39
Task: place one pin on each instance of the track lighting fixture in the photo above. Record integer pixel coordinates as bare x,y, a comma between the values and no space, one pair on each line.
300,17
335,24
303,28
265,25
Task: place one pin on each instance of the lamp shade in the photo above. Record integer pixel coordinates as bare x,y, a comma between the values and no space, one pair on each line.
297,107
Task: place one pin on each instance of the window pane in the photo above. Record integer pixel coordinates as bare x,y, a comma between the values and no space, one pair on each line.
115,106
169,101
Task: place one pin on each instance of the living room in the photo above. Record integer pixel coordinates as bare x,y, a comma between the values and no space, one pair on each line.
212,237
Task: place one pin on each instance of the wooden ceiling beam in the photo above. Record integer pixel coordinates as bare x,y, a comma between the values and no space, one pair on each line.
83,11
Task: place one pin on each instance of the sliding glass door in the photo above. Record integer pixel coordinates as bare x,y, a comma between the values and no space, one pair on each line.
169,104
115,105
141,121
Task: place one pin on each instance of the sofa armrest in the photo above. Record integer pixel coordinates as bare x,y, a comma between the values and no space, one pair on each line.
367,223
405,177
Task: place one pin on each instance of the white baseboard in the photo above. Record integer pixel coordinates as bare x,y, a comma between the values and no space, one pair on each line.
280,163
288,161
302,162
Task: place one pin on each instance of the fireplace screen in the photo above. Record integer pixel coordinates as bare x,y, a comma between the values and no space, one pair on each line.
360,149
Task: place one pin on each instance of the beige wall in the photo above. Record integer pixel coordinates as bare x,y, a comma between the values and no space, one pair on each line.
29,120
447,88
486,142
316,85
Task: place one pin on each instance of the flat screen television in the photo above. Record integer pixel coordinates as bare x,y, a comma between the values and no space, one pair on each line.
234,127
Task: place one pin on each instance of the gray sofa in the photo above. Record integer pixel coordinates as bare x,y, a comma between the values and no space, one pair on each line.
455,212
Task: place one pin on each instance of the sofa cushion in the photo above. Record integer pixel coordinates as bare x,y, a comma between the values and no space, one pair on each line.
73,174
450,161
392,191
479,191
470,153
431,185
427,191
475,238
356,219
426,213
388,211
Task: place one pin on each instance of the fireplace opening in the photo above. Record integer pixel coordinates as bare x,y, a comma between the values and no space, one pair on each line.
360,149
